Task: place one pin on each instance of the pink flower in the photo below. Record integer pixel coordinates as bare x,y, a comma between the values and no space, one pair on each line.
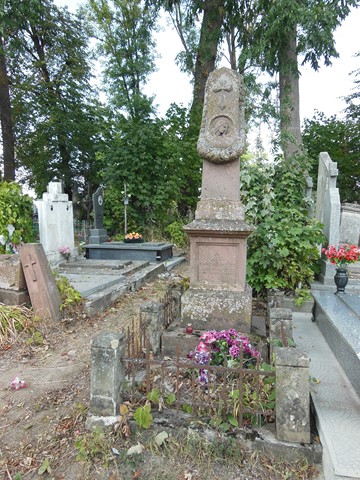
208,337
202,347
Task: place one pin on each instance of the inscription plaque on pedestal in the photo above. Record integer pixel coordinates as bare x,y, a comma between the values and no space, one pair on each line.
217,263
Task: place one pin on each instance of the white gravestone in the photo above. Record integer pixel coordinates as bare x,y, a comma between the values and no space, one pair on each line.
56,222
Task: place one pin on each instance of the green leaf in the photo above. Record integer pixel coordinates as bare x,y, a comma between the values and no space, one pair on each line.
232,420
170,399
45,467
143,416
187,408
154,396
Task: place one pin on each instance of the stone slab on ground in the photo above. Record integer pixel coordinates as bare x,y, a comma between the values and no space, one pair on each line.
338,318
146,251
92,279
103,282
96,264
337,406
101,300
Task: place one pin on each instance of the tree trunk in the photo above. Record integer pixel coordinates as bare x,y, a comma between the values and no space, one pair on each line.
290,132
6,119
210,35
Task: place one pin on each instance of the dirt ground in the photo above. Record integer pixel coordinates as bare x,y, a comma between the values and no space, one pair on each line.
42,426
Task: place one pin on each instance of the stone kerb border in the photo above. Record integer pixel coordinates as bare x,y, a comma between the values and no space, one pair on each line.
292,374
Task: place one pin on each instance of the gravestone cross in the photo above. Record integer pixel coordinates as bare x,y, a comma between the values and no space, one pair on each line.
30,266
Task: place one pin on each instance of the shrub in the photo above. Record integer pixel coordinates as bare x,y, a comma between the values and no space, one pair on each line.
16,224
282,250
177,234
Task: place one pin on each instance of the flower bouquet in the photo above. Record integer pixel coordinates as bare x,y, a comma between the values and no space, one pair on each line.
65,252
223,348
342,255
133,237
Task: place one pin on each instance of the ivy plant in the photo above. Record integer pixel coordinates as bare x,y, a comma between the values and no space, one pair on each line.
282,250
16,224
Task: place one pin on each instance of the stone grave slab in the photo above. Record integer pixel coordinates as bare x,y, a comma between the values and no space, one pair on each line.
41,285
88,283
97,264
353,302
146,251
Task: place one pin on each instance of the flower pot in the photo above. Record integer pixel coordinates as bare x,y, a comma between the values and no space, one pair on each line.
341,279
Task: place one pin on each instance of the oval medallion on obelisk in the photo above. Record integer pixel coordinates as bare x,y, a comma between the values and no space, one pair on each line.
221,136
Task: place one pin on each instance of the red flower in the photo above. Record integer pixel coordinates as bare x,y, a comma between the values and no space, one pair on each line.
343,254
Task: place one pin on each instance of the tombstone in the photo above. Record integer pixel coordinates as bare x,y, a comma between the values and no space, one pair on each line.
350,224
328,210
98,234
218,296
40,281
56,223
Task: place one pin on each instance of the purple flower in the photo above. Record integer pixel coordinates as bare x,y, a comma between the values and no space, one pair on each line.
234,351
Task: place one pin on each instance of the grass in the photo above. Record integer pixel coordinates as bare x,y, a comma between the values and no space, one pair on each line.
189,457
13,320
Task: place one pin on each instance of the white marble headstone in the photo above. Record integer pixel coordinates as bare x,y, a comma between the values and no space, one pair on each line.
56,223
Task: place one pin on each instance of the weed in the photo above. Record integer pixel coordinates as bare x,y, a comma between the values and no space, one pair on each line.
302,295
94,446
143,416
35,339
13,320
70,297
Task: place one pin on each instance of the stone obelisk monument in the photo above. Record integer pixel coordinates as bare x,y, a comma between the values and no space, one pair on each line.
218,297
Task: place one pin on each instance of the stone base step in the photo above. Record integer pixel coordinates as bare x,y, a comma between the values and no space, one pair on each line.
338,318
336,404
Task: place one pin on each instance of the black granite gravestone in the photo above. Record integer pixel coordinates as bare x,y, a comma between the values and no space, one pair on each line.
98,234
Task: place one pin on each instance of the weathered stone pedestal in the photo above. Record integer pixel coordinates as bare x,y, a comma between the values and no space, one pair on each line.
12,281
98,236
218,294
219,297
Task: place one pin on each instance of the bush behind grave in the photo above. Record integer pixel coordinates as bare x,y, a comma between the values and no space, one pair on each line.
15,209
282,250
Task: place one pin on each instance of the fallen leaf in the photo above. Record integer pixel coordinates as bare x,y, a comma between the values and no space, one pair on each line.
137,474
135,450
161,438
45,467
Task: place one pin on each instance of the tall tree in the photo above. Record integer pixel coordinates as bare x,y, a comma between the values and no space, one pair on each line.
124,31
55,117
285,30
6,116
7,130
